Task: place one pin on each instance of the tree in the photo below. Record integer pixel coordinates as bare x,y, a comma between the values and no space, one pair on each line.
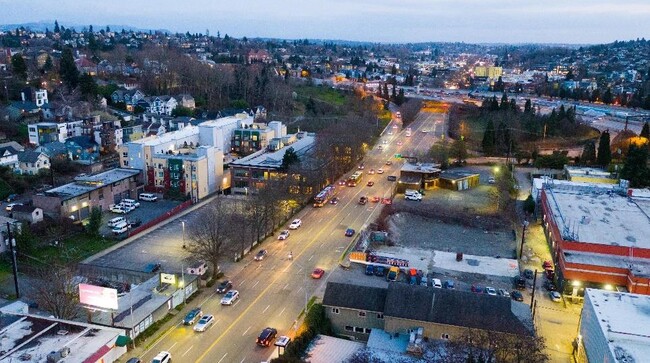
604,151
48,64
588,156
55,291
94,221
608,98
645,132
56,27
182,111
88,86
68,69
211,234
489,137
439,152
410,110
636,168
19,66
458,150
529,205
290,157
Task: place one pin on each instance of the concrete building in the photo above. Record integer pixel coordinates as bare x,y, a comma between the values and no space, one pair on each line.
36,338
356,310
458,180
488,72
249,173
613,328
418,176
45,132
248,140
75,200
598,237
588,175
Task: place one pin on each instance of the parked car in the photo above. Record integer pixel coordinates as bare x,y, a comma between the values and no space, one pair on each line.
529,274
477,289
391,178
436,283
12,197
11,206
148,197
449,284
549,286
134,223
152,267
224,286
503,292
120,228
260,255
132,202
491,180
550,274
284,235
369,270
118,209
424,281
520,283
349,232
547,264
134,360
295,224
379,271
517,295
230,297
317,273
555,296
204,323
115,221
266,337
490,291
192,316
162,357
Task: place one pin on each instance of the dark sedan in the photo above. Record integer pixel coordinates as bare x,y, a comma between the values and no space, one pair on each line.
224,286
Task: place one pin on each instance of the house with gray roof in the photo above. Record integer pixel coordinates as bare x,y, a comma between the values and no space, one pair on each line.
356,310
31,162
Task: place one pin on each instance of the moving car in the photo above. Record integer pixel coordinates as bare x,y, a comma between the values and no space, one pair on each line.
162,357
380,171
230,297
204,323
349,232
387,201
517,296
267,336
194,315
555,296
148,197
363,200
341,182
520,283
388,162
317,273
284,235
260,255
295,224
491,180
369,270
547,265
549,273
375,199
490,291
334,200
371,171
391,178
370,183
224,286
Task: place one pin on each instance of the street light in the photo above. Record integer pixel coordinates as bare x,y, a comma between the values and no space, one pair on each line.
183,224
523,235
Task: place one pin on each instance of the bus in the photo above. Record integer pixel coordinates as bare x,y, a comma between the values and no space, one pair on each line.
408,132
355,179
324,196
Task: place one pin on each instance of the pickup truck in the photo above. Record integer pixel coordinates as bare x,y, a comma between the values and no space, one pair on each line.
392,273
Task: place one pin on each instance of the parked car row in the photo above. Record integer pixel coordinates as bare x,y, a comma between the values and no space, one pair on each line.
125,206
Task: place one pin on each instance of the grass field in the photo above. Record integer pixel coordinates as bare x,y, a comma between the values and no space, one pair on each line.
71,250
322,94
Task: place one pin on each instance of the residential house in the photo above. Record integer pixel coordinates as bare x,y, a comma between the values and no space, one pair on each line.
27,213
129,97
161,105
82,149
258,55
31,162
356,310
186,100
54,150
9,153
85,65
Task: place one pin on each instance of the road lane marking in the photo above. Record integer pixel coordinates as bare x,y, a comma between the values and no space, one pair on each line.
170,348
242,282
285,286
255,284
224,356
267,308
188,349
310,257
282,311
300,289
249,328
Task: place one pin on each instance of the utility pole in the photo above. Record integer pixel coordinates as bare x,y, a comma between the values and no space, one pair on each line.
523,236
532,296
12,241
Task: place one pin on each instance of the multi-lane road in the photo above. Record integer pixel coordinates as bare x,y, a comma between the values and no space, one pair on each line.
275,290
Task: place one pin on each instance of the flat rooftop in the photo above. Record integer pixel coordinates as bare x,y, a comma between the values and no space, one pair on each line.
420,168
326,349
181,134
584,171
263,158
456,175
624,320
640,267
88,183
600,216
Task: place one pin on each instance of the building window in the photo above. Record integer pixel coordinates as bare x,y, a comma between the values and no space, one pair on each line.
444,336
380,315
336,310
362,313
368,330
358,329
349,328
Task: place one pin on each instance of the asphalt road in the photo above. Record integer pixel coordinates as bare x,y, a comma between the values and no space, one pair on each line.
274,291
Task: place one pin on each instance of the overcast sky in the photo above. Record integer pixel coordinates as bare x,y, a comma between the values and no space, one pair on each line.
471,21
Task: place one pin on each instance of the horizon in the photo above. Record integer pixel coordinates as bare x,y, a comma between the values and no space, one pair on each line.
411,21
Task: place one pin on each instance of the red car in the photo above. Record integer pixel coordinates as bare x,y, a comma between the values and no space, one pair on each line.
386,201
547,265
370,183
375,199
317,273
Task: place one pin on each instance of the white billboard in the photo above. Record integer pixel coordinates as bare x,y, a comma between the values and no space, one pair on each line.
97,296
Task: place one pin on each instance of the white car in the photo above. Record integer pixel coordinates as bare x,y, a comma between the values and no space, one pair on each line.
162,357
284,235
490,291
230,297
295,224
118,209
436,283
148,197
491,180
204,323
131,202
380,171
11,206
127,207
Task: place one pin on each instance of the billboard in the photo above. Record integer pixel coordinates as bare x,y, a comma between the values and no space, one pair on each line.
97,296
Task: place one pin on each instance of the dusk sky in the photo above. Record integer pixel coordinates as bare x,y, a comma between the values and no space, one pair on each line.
471,21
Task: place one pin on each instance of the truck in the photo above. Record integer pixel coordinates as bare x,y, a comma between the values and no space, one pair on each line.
393,272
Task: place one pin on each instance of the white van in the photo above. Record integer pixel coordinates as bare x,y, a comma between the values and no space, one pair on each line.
130,203
148,197
411,192
115,221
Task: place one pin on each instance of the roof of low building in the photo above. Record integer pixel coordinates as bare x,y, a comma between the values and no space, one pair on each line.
86,184
266,159
23,209
29,156
358,297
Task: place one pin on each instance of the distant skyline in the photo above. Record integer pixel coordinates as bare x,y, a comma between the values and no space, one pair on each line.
469,21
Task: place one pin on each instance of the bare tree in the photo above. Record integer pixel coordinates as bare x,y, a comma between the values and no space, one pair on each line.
409,110
55,291
211,235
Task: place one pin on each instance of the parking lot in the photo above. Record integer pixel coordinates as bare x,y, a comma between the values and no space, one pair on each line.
146,212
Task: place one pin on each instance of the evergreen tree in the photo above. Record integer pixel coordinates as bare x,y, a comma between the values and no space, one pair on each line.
588,156
48,64
459,150
19,66
604,151
504,102
528,107
608,98
645,132
68,69
57,29
88,86
386,94
636,167
488,139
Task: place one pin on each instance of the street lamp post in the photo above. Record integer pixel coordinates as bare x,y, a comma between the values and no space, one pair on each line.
12,247
183,224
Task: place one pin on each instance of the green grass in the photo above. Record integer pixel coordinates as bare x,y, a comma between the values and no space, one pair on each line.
73,249
322,94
